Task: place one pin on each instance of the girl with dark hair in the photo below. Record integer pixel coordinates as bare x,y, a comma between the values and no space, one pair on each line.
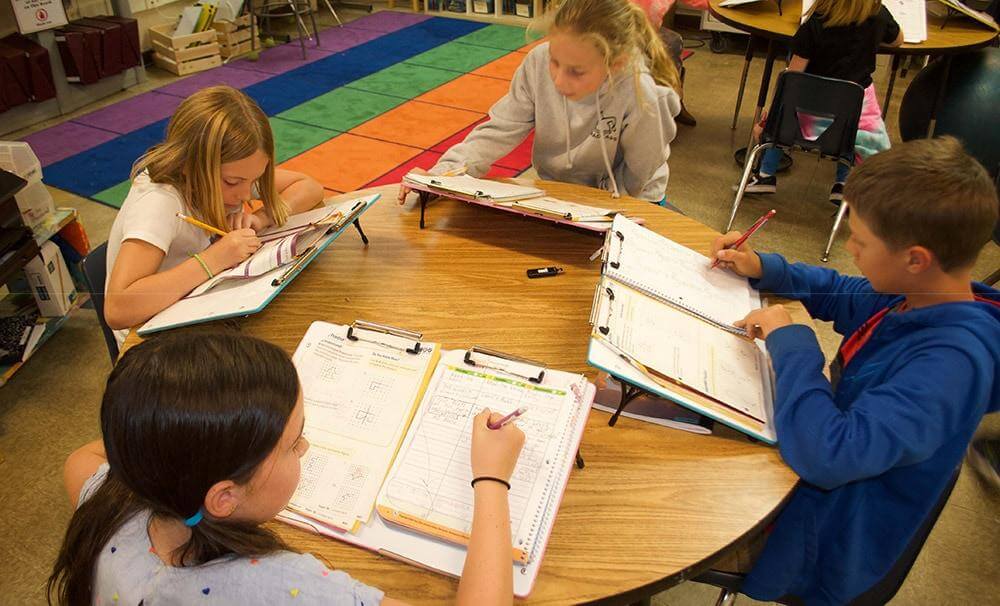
202,441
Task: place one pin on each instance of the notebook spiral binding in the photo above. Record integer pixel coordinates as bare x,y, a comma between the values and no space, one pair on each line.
546,511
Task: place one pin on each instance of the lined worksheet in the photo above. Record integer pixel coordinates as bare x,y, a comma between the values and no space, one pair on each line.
359,398
429,482
721,365
911,15
675,274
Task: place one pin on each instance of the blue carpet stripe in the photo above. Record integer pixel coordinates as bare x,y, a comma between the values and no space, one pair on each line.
108,164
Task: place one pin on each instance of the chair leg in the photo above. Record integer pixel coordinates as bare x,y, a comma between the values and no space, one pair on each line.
747,168
299,24
833,232
726,598
337,17
312,19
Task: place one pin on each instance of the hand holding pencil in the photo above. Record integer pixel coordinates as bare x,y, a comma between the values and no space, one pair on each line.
231,248
732,252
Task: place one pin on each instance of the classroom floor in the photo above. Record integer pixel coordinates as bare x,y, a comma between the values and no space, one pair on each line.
50,407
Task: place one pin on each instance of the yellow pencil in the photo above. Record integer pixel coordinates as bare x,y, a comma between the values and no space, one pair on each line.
455,172
198,223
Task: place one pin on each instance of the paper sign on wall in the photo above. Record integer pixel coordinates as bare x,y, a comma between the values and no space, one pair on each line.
37,15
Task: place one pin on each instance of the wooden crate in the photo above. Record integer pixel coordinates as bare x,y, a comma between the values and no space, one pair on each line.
233,36
184,55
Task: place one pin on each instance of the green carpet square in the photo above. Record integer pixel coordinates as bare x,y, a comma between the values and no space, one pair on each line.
114,195
292,138
506,37
458,57
404,80
341,109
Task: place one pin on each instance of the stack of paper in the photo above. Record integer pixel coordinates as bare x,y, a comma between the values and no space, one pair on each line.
911,15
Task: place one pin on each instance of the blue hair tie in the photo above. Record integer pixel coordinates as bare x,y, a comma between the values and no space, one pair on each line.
193,520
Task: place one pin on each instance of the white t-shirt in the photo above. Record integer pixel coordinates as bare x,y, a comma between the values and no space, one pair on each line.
149,213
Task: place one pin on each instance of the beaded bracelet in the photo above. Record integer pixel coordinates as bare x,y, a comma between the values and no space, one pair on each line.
204,265
491,479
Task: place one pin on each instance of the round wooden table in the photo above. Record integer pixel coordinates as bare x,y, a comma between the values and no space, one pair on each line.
761,19
652,507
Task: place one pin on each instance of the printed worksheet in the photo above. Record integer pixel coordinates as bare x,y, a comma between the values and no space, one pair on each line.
721,365
359,398
911,15
674,273
428,486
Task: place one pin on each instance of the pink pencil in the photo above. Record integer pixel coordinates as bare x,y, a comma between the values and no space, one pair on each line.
760,223
507,419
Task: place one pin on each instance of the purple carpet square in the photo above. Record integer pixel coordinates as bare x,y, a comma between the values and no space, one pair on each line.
387,21
64,140
339,39
132,114
281,59
237,78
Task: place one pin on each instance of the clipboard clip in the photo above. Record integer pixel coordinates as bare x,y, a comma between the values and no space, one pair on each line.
604,330
621,240
492,353
383,329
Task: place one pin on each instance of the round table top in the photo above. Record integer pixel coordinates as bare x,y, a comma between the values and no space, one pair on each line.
652,505
762,19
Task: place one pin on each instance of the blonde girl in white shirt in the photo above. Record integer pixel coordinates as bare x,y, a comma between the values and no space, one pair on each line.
218,154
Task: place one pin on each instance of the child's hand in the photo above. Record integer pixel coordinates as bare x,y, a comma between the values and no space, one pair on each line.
242,220
760,322
404,190
494,451
231,249
742,260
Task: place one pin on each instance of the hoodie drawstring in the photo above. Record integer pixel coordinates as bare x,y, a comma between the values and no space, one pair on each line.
604,151
569,152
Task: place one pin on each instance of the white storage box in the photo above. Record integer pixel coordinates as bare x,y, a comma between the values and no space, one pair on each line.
50,282
34,201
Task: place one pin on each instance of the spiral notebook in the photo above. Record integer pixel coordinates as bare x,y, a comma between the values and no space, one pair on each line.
428,488
674,274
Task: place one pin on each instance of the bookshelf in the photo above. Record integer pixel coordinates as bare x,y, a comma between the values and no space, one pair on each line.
509,12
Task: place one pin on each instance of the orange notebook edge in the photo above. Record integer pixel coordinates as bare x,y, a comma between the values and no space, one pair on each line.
437,531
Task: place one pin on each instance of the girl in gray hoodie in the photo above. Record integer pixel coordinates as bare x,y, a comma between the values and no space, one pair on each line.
601,96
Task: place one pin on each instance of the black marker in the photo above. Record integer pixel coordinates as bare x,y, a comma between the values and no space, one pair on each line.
544,272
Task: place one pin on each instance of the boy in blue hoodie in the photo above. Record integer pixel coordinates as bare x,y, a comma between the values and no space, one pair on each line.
917,370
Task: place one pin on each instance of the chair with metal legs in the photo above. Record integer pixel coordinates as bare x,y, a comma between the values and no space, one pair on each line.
808,97
264,10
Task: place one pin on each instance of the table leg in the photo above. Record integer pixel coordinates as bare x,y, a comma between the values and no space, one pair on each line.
747,58
892,81
939,99
765,85
364,238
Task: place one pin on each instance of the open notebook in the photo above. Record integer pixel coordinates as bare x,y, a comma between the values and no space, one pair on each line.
267,272
468,186
674,274
662,320
359,389
517,199
424,506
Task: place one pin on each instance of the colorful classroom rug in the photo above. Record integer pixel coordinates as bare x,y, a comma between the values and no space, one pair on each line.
381,95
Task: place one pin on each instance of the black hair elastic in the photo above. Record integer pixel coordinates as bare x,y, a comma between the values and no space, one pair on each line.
491,479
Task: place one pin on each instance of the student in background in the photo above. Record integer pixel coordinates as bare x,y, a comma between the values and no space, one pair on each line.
601,96
218,154
839,40
202,445
917,370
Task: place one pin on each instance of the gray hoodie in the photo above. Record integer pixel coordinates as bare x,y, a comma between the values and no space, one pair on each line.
608,140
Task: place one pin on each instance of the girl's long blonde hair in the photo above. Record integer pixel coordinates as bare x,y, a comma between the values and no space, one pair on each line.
214,126
619,28
845,12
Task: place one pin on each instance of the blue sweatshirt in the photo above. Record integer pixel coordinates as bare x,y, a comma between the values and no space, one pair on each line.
875,451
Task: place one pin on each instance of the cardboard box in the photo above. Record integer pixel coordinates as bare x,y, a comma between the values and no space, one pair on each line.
50,282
